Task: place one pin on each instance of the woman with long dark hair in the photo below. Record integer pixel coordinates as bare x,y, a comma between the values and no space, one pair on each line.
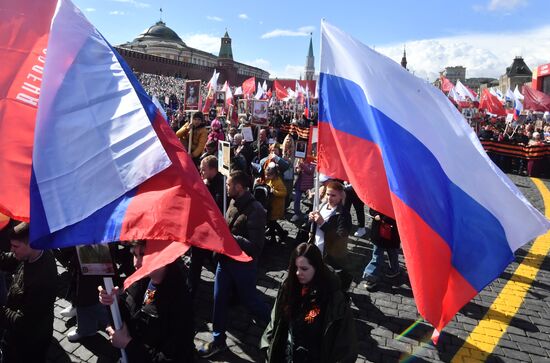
312,319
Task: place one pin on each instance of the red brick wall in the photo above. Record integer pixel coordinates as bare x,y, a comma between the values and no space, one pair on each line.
147,63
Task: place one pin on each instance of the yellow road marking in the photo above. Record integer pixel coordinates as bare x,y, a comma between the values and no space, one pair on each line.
487,333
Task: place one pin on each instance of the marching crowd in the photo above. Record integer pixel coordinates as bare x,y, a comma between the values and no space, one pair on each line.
519,148
311,319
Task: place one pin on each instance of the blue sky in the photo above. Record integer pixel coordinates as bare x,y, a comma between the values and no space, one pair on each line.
482,35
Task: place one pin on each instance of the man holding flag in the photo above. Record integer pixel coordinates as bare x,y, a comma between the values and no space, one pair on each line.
128,178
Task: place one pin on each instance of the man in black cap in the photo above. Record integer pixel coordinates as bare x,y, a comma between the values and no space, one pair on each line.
27,316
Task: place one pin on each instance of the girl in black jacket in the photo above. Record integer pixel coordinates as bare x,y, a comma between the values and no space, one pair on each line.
312,319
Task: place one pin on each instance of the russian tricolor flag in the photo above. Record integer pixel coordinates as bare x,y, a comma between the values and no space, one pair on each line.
410,154
518,107
105,164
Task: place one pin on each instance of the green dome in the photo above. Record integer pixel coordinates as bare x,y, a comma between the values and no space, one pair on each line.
160,32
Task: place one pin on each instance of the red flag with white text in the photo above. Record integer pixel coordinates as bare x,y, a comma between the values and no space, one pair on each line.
24,33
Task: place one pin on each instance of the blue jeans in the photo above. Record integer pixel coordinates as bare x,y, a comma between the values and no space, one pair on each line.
240,276
90,319
198,256
373,271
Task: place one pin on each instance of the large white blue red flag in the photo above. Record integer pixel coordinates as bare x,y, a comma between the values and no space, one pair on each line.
105,164
410,154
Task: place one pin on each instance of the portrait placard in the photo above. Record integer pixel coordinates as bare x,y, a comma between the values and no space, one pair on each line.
301,149
95,259
242,107
247,134
312,143
259,112
192,92
220,99
229,118
224,158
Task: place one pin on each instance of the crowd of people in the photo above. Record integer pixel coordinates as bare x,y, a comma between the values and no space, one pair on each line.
311,320
168,90
519,147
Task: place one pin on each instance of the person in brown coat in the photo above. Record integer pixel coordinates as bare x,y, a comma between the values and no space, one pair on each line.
199,136
276,209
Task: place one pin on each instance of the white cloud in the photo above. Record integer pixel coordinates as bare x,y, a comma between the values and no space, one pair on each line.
300,32
214,18
137,4
243,16
483,55
495,5
116,12
289,71
206,42
89,10
260,63
306,29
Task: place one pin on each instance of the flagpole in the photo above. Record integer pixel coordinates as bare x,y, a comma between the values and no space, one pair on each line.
190,142
224,194
115,313
315,200
317,187
259,144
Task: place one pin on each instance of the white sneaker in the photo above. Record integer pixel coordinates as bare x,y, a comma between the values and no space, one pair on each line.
74,336
68,312
360,232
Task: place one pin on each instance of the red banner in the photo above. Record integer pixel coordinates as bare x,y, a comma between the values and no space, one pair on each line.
280,90
23,42
446,85
491,103
535,100
291,83
249,87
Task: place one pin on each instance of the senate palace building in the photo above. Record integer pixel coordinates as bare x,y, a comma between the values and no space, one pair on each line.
159,50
